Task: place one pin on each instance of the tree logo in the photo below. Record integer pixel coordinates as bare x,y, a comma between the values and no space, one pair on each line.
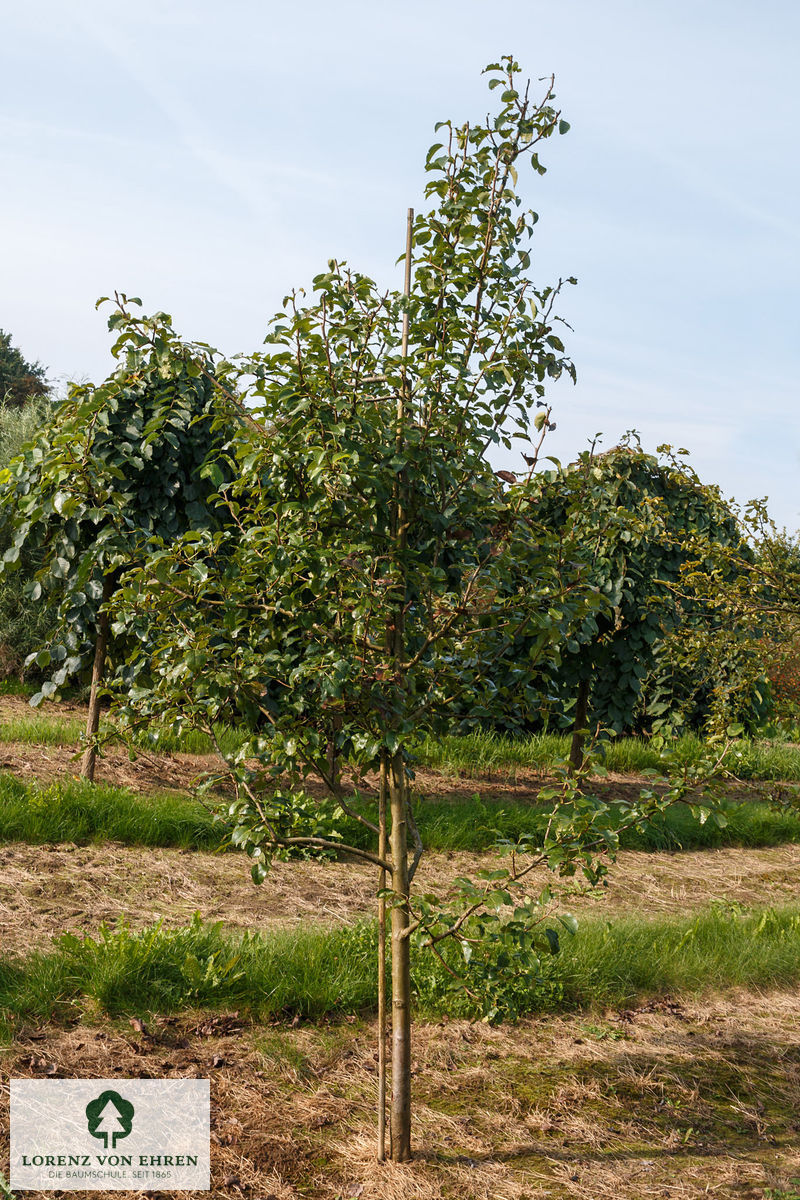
109,1116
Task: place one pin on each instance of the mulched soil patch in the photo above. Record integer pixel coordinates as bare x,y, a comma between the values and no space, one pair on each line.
667,1100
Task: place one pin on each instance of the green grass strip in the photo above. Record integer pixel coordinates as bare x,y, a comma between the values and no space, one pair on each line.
308,972
314,972
75,811
80,812
474,825
617,963
42,729
472,753
15,687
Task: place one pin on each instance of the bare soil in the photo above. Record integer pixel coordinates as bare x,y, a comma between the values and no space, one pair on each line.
667,1100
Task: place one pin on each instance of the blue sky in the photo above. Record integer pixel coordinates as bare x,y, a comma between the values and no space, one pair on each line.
210,157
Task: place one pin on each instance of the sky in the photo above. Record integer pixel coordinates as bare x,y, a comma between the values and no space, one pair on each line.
209,158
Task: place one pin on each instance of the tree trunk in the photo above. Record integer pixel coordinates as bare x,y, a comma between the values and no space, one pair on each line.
401,968
100,651
581,717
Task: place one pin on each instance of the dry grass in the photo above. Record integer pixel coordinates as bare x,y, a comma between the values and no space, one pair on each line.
45,890
664,1101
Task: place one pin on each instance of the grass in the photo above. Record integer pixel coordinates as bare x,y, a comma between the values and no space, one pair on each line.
16,687
75,811
617,963
479,751
476,752
309,973
41,729
315,972
80,812
474,825
189,741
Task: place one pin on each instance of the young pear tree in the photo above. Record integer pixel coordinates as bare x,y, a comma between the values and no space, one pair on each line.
366,544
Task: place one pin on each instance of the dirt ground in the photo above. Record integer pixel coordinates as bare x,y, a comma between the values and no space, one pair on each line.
675,1100
667,1100
47,890
150,773
147,774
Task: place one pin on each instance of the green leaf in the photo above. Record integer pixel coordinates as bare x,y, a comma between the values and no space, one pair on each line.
552,938
213,472
258,872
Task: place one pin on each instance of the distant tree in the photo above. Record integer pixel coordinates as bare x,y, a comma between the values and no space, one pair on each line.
118,464
23,628
755,586
629,522
20,380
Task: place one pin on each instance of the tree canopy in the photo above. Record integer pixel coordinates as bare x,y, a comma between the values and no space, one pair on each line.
366,548
20,380
116,466
628,523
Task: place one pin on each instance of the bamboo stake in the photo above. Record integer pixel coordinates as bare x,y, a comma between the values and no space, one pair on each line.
400,1125
382,965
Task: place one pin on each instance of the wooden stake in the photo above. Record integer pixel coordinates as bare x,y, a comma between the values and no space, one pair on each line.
398,803
382,848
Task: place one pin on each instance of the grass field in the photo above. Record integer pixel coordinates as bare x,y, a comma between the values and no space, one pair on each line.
753,759
72,811
657,1055
314,973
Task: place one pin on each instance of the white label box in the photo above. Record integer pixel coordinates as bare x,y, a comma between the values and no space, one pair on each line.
110,1134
